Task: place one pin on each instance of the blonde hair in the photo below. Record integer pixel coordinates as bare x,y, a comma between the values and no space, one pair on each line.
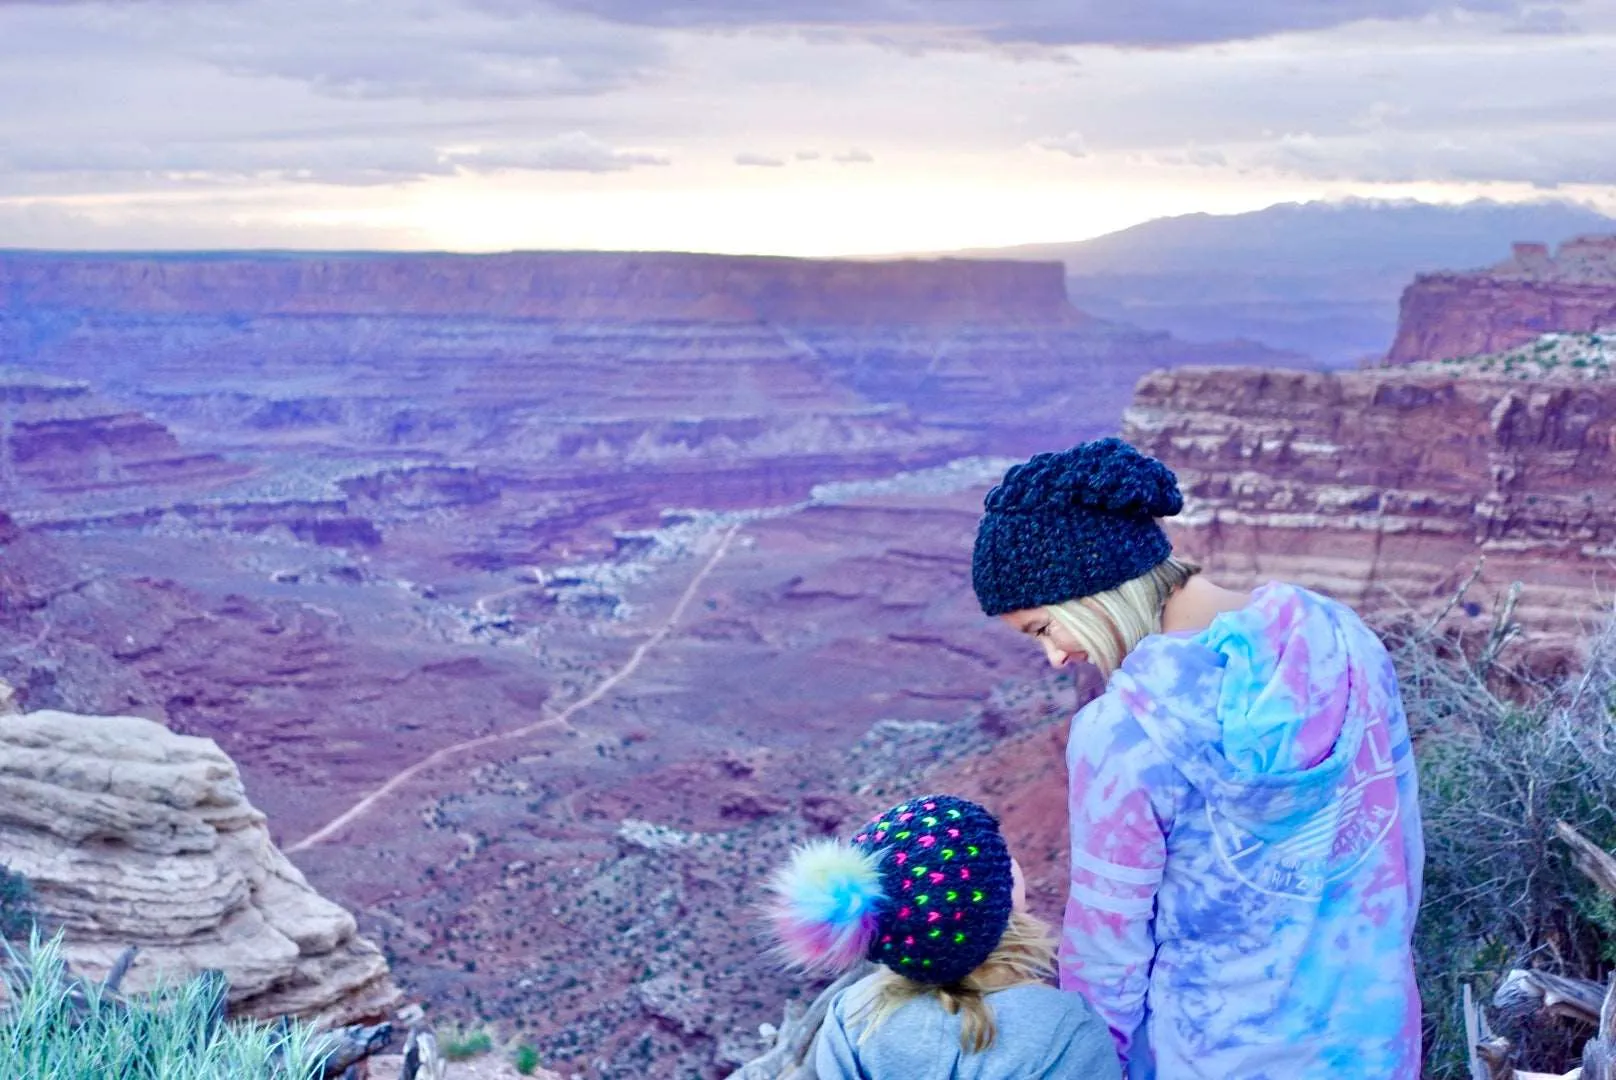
1025,954
1109,624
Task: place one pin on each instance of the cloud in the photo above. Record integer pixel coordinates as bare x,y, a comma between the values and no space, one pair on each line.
433,50
139,166
187,95
1071,143
315,100
198,223
1053,22
65,166
1543,20
573,152
1381,104
762,161
1543,158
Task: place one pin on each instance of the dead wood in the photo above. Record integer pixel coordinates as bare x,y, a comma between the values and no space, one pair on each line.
422,1059
1525,992
1599,1052
1594,861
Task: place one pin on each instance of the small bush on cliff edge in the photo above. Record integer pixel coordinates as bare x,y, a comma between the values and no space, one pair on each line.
173,1034
1503,756
526,1059
460,1045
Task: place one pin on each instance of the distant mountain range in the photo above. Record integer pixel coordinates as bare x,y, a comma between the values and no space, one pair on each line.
1321,278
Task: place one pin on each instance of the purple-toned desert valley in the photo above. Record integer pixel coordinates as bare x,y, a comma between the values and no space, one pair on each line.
543,601
626,571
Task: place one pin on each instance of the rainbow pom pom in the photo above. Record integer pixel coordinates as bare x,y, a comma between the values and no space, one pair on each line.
827,902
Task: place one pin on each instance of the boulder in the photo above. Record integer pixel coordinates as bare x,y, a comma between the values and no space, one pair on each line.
132,835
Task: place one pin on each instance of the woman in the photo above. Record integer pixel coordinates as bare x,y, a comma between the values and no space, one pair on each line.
929,890
1246,852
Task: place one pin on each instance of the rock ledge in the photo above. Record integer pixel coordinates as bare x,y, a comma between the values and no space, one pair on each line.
133,835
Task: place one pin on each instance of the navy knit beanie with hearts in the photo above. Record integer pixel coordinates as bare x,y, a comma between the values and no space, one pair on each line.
1071,524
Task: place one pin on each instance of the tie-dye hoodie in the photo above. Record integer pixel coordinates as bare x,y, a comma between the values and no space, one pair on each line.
1246,851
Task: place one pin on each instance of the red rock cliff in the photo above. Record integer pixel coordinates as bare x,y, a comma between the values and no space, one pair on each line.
574,285
1385,486
1462,314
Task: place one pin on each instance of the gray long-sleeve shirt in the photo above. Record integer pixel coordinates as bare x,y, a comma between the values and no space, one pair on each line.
1042,1033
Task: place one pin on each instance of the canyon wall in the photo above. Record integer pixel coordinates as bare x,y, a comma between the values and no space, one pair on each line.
1384,487
59,441
543,285
1452,314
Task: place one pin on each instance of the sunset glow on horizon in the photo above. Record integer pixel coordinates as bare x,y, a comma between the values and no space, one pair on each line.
792,129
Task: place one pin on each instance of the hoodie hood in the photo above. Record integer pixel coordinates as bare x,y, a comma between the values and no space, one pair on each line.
1292,705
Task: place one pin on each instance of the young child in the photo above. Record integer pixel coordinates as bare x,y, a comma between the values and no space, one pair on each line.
929,890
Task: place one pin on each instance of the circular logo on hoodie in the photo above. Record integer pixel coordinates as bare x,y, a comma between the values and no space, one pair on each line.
1328,846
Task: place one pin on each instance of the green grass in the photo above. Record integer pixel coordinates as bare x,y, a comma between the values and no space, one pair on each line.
170,1034
460,1045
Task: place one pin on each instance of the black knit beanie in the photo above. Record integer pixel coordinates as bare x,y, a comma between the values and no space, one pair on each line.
945,873
1071,524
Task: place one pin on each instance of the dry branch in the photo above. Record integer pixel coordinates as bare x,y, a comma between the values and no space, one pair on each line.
1524,992
422,1061
1594,861
1599,1052
1494,1055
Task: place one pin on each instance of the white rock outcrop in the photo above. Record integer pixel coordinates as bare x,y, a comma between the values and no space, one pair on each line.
133,835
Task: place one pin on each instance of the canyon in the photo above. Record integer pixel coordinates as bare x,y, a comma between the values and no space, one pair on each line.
1385,488
1318,278
1488,438
634,286
543,601
1534,291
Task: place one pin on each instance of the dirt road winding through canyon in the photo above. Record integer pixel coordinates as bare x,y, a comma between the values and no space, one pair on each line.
561,719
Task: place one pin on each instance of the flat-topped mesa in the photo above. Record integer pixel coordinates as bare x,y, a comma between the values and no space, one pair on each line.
132,835
1450,314
1384,487
571,285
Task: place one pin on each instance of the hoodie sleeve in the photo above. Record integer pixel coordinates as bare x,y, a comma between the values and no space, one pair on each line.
1117,853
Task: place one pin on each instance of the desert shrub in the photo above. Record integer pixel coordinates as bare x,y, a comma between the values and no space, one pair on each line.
16,906
460,1045
1502,756
526,1059
172,1034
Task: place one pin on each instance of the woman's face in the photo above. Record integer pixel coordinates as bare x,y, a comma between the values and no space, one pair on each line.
1057,642
1018,887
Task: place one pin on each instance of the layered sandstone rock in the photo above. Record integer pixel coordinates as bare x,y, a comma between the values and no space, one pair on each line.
132,835
1451,314
58,438
1384,487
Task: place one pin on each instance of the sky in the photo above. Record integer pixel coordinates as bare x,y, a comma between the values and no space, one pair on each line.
792,127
